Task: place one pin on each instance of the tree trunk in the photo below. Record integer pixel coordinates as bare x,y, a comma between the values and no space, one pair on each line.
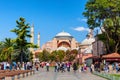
21,56
117,47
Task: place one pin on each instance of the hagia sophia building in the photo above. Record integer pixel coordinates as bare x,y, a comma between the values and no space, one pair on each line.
62,41
65,41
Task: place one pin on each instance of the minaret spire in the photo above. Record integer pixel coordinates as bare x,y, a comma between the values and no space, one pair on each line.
32,34
38,40
32,37
91,33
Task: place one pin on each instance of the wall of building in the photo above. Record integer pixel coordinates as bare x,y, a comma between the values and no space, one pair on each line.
54,44
98,48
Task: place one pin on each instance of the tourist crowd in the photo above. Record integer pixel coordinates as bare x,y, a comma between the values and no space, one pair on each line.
105,67
62,66
16,66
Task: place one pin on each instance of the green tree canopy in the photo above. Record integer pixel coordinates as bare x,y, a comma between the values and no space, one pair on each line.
70,55
7,49
105,14
44,55
22,31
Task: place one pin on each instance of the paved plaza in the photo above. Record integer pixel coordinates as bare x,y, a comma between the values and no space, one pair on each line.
51,75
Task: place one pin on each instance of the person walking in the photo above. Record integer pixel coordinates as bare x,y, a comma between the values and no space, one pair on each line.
47,66
36,66
63,67
117,67
75,67
56,66
91,68
68,66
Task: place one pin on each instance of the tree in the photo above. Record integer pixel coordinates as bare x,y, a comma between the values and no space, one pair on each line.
105,14
112,34
23,32
1,53
53,56
44,55
60,55
67,55
57,55
70,55
27,56
7,49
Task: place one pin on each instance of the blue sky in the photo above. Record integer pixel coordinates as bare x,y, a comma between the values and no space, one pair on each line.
48,16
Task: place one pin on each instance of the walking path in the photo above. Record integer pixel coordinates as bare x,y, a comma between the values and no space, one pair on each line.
51,75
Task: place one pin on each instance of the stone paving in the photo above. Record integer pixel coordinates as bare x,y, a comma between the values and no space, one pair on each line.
51,75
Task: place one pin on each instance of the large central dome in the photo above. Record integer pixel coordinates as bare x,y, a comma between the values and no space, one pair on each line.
63,34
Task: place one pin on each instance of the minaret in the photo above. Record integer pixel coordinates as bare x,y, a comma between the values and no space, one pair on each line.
91,33
32,37
38,42
32,34
32,41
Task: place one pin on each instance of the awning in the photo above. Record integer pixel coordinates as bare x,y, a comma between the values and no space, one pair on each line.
112,60
112,55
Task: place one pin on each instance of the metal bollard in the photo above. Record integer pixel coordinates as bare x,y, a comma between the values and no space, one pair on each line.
27,74
23,75
18,77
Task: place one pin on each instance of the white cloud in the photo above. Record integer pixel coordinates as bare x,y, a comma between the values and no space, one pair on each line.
81,29
82,20
85,20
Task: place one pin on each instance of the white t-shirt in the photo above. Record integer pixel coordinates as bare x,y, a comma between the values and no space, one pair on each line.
47,64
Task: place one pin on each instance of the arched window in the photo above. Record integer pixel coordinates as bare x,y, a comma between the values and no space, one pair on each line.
64,44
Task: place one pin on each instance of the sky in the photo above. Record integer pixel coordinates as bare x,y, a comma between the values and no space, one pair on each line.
49,17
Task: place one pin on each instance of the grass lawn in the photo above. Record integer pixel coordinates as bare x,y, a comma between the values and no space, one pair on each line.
117,75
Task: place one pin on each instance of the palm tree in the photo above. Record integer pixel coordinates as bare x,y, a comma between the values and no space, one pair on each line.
1,48
7,49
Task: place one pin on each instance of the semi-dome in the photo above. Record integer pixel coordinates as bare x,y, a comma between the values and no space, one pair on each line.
62,48
88,41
